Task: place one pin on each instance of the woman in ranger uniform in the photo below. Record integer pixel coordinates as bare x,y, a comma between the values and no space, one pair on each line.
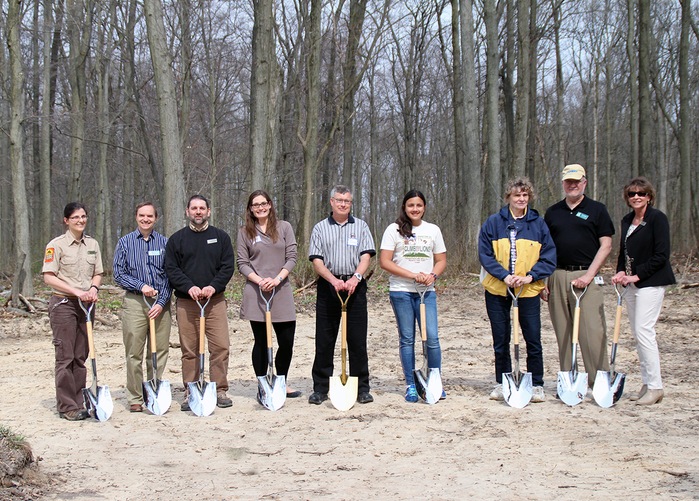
73,269
516,250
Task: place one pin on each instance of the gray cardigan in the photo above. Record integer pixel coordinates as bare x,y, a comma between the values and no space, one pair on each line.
267,259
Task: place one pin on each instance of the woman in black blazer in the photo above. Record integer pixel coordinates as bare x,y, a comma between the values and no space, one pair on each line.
643,267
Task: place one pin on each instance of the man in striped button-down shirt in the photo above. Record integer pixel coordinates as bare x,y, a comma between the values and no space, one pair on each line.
341,248
138,268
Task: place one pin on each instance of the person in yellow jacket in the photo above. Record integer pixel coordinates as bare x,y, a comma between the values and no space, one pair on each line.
516,251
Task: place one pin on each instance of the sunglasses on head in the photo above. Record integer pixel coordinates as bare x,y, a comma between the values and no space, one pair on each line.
636,193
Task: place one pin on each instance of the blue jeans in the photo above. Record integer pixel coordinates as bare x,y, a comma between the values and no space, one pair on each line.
406,307
498,308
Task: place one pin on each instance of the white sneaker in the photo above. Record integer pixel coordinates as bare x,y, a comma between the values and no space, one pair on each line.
538,394
496,394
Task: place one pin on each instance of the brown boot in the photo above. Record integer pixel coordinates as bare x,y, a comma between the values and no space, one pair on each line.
651,397
641,392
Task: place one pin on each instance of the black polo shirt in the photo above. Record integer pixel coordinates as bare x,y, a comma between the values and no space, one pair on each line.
576,232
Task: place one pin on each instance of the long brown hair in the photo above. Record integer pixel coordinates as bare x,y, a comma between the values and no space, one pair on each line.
251,220
405,226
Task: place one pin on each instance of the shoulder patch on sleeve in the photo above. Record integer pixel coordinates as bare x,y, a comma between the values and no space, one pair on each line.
50,253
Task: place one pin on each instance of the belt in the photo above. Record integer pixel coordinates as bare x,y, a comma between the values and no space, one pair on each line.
136,293
572,267
344,278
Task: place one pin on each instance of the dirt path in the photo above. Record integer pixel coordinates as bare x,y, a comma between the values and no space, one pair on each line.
464,447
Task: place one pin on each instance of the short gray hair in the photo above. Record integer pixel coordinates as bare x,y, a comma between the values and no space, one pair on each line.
339,188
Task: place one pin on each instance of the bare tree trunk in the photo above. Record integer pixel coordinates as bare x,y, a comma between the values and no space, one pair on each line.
79,36
492,116
174,197
646,156
23,282
532,120
560,88
508,86
633,85
523,83
472,182
687,239
264,96
104,199
185,104
350,84
310,140
459,110
46,126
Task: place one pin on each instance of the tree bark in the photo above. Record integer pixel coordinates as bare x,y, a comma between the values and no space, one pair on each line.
174,196
646,154
492,113
22,283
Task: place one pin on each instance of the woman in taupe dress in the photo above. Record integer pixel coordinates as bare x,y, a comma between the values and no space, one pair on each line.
266,251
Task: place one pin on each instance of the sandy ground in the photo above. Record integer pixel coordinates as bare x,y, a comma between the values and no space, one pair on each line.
464,447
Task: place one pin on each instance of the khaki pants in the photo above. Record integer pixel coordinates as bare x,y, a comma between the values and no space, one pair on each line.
136,331
593,327
188,314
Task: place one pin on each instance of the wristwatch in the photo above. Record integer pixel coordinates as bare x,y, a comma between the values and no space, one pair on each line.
358,276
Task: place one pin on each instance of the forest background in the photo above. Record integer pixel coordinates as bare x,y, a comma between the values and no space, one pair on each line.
112,102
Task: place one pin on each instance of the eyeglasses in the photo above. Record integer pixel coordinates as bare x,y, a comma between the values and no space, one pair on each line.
342,201
632,194
77,218
260,205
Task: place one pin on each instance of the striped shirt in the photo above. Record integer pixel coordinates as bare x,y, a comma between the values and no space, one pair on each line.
341,246
139,262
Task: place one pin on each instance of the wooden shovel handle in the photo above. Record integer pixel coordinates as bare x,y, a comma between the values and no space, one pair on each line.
423,322
268,323
202,331
90,340
576,325
515,319
151,333
617,324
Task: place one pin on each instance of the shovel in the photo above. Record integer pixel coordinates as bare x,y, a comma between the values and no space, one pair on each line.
157,395
516,386
609,385
202,395
428,381
98,399
271,389
572,385
343,389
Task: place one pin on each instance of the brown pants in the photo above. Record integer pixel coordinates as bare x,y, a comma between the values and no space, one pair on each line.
70,343
188,318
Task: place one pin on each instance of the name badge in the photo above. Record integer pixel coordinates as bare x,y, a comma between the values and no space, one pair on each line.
352,241
582,215
258,239
212,241
155,252
599,280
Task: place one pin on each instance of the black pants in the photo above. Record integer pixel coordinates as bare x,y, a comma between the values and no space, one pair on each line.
285,339
328,317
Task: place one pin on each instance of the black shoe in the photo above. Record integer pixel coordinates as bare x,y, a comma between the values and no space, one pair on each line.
365,398
317,398
293,394
184,406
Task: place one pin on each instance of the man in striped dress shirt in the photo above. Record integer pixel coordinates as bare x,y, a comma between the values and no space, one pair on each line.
341,248
138,268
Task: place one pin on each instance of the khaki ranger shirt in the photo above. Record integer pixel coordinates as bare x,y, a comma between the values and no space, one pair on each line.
73,261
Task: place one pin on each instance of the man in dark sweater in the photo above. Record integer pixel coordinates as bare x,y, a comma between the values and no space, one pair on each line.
199,262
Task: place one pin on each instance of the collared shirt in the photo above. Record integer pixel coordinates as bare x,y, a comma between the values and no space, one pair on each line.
73,261
139,262
340,246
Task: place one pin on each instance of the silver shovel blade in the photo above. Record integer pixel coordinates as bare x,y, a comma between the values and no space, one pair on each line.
157,396
202,398
517,389
429,388
271,396
572,387
343,396
606,391
99,404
